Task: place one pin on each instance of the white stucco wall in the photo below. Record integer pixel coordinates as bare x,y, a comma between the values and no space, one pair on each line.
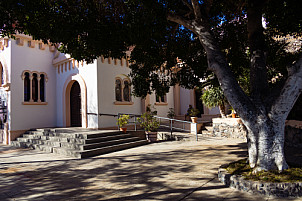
89,74
33,59
106,92
5,59
185,100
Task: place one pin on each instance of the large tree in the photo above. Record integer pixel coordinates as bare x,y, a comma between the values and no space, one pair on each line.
223,37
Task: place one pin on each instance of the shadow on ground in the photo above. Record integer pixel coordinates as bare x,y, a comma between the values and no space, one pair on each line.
149,172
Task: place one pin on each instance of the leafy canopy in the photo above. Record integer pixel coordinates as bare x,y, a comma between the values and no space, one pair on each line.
87,29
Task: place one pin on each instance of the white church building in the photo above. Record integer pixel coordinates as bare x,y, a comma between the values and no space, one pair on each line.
41,87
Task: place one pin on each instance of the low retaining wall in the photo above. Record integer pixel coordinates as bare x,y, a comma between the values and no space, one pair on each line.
234,128
263,188
229,127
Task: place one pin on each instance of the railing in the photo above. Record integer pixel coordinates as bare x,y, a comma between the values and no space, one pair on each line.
175,124
171,124
132,116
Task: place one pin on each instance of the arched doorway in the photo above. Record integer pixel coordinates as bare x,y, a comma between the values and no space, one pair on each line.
198,102
75,105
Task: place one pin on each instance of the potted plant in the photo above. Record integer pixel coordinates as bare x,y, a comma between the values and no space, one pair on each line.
233,113
150,125
193,112
122,121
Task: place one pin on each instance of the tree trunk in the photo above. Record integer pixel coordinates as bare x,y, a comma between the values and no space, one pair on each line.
222,110
265,121
266,144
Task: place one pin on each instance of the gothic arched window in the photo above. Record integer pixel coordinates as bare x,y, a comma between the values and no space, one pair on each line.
42,88
26,87
122,90
34,87
118,90
126,91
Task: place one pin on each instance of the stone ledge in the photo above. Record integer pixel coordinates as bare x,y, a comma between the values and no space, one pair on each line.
262,188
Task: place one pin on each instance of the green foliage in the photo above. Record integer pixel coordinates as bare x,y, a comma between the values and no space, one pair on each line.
193,112
123,120
88,29
242,167
213,97
171,113
148,121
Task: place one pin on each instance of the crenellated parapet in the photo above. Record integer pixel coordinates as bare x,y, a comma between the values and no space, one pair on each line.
28,41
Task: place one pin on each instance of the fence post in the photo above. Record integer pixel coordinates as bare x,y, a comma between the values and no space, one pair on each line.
118,116
135,122
171,127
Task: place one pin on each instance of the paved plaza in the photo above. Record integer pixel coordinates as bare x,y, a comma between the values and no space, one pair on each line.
160,171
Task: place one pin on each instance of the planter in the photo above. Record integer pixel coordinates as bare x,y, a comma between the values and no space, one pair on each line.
194,119
151,136
124,130
233,115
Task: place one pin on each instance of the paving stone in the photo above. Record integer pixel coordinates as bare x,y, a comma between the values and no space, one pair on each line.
160,171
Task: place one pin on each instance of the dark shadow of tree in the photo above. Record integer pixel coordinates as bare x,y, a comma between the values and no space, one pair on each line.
120,176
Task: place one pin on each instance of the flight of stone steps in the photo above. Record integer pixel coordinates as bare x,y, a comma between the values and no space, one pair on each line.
79,143
207,130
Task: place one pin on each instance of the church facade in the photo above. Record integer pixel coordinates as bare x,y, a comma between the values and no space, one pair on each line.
41,87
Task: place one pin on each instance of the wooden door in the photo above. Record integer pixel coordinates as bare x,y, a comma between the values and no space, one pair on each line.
75,105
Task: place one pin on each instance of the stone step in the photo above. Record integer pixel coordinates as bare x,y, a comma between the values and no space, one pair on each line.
97,151
107,138
206,132
78,143
208,128
108,143
108,149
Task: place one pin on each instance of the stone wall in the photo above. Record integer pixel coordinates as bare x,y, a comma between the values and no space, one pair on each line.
229,127
293,133
234,128
262,188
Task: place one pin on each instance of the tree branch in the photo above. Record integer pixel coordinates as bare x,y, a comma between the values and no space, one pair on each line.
218,64
209,4
188,5
182,21
289,93
196,8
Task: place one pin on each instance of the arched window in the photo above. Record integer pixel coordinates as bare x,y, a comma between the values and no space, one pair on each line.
1,74
126,91
34,87
118,90
161,99
122,90
42,88
26,87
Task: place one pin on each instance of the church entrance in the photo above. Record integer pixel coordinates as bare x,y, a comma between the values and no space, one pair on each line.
75,105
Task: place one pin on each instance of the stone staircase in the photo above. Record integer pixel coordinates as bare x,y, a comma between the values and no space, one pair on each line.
207,130
79,142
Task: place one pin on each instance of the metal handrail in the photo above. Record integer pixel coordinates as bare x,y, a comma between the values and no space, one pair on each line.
131,116
171,121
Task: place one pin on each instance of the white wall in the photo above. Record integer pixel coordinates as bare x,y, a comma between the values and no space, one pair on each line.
5,59
185,100
89,74
31,116
214,110
106,92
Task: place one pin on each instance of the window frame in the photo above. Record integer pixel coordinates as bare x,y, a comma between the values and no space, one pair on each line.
159,101
34,89
123,85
